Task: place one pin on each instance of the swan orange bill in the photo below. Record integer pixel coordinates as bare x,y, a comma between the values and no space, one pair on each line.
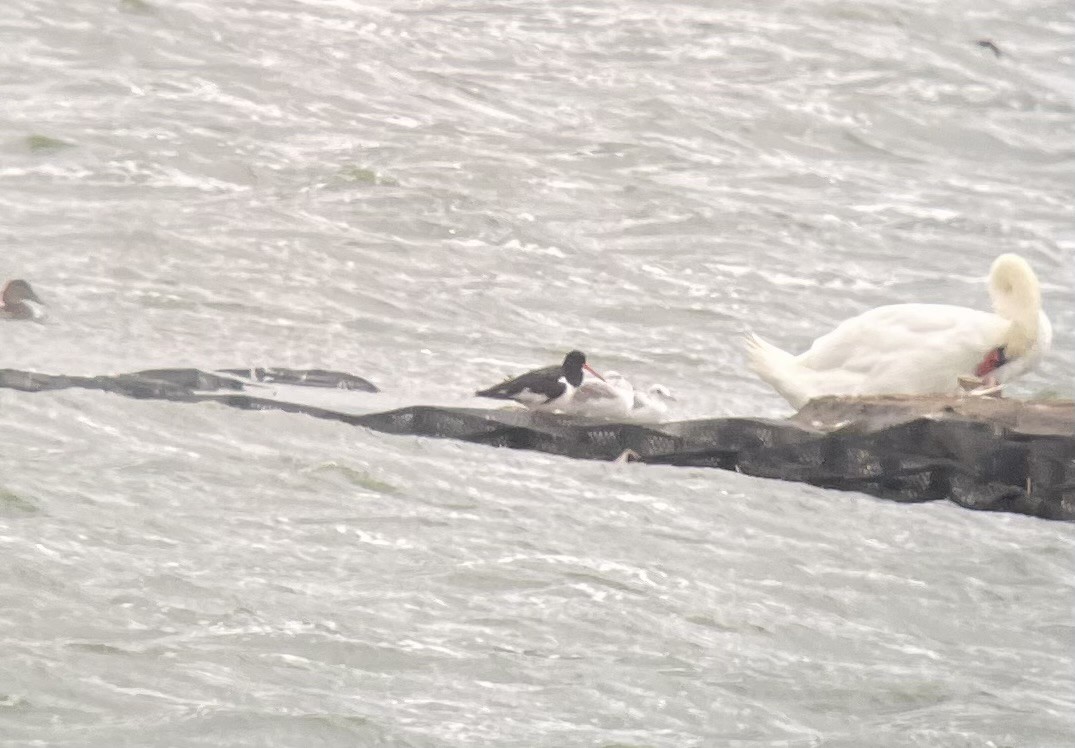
992,361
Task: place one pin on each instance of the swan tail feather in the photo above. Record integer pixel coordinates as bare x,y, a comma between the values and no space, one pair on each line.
777,367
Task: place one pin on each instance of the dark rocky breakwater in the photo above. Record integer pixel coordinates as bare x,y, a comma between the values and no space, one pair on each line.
981,453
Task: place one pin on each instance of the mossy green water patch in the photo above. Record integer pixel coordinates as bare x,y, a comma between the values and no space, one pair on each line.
353,174
11,504
44,144
141,7
356,477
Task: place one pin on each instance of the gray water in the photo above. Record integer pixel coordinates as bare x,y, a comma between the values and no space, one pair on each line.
435,194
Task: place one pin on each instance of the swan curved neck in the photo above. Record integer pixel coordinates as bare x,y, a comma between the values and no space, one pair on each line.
1016,296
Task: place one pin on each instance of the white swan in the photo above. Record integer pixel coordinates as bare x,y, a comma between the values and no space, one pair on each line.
918,349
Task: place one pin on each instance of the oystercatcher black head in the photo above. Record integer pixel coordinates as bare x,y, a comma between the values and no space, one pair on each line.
550,387
574,363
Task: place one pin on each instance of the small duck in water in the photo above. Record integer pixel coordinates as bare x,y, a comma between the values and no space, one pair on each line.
14,297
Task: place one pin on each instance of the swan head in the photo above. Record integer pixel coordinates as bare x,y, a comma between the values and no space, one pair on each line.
1016,296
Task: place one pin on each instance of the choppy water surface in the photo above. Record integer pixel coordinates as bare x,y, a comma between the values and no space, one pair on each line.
434,194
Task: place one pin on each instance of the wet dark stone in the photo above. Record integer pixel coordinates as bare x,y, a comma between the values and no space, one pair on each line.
981,453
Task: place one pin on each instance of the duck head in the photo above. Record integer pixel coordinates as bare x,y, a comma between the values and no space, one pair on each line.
18,291
14,300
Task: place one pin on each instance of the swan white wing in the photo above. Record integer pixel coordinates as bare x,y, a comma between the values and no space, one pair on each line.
918,332
904,348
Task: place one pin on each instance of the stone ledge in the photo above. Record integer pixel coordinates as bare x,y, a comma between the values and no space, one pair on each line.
981,453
